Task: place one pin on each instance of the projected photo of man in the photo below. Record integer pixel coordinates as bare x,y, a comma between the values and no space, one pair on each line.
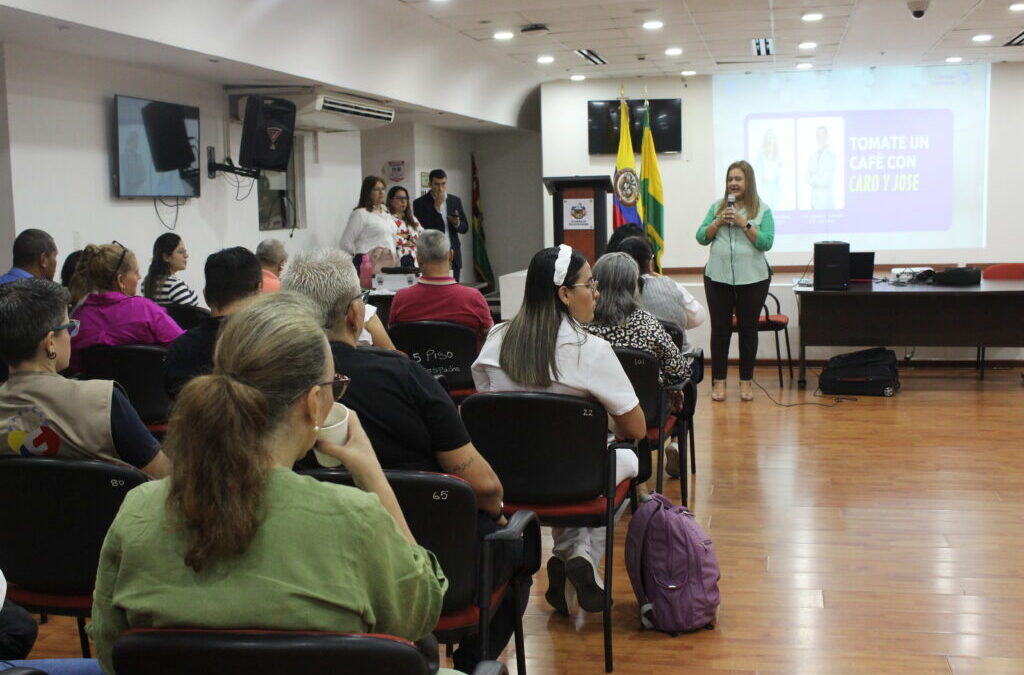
822,171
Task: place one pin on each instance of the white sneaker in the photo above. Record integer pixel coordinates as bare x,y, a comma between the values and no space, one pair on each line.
672,459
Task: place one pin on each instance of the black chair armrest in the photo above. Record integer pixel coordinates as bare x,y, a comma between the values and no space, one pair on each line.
522,525
431,652
443,381
490,668
620,445
678,386
516,527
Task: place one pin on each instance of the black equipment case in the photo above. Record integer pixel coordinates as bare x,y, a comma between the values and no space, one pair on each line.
869,372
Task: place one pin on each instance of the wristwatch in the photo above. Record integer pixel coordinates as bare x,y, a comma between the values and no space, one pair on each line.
748,225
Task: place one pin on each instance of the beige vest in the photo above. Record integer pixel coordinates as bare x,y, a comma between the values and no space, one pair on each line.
46,415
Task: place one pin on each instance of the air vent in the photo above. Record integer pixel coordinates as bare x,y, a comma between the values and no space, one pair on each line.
332,104
762,46
535,28
1016,41
591,56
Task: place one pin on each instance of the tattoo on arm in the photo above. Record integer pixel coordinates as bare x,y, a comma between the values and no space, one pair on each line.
459,469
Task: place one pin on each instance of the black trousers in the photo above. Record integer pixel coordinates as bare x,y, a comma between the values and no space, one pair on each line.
746,301
17,632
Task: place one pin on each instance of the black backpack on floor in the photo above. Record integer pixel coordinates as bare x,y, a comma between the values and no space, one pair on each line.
869,372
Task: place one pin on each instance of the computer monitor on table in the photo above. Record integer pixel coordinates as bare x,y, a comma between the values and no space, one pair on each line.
862,267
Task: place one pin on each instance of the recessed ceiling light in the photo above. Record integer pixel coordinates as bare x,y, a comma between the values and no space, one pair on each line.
688,73
673,51
545,59
808,45
813,16
804,66
954,59
503,35
981,37
578,78
1017,7
653,25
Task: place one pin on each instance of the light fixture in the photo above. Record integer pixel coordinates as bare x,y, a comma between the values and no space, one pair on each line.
673,51
503,35
688,73
804,66
813,16
653,25
981,37
954,59
578,78
1017,7
807,45
545,59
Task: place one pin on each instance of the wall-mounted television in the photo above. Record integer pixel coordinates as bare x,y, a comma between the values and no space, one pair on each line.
666,125
157,148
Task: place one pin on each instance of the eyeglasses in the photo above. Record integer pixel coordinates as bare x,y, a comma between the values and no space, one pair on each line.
71,326
400,198
120,260
363,295
339,385
592,285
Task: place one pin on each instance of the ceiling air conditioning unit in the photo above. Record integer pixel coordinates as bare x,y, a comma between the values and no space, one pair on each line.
322,110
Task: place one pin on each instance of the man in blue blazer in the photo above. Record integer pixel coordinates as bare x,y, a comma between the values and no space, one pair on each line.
439,210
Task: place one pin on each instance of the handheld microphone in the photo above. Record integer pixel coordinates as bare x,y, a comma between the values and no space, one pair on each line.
731,200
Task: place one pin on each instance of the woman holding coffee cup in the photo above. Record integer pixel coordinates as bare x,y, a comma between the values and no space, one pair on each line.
235,538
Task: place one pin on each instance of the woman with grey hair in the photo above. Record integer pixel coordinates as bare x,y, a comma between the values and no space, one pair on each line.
619,318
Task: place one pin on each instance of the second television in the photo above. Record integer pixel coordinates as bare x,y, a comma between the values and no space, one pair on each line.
157,148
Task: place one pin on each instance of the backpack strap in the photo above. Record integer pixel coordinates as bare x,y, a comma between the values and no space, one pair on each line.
646,608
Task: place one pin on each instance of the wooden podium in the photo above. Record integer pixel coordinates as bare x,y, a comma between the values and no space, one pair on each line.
580,212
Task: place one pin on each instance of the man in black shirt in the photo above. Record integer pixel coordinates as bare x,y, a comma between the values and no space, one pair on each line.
233,277
409,417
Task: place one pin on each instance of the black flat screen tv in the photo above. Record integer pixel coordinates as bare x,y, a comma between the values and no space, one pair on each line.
157,148
666,125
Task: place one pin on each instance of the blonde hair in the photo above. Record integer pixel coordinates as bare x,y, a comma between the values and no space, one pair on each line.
267,356
98,269
750,199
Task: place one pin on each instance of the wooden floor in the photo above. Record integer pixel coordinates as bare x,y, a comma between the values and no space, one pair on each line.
876,536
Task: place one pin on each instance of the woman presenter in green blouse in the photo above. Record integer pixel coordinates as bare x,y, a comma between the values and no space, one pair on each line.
739,228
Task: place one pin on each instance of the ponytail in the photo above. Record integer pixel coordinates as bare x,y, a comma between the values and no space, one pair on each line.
98,269
159,269
267,355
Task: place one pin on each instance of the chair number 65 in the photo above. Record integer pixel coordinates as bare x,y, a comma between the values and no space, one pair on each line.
588,412
441,496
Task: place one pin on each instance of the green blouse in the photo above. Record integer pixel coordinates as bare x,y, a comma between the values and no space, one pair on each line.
325,558
733,259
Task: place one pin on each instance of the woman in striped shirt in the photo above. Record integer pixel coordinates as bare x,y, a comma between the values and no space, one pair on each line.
169,258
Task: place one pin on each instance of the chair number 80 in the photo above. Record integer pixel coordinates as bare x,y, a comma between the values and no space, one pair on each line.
441,496
116,482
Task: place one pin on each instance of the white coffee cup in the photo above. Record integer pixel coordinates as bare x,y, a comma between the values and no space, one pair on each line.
335,430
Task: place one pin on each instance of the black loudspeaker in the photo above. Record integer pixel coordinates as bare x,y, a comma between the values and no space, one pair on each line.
267,132
831,266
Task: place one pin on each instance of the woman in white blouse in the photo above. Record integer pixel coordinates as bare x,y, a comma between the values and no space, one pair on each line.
370,226
544,348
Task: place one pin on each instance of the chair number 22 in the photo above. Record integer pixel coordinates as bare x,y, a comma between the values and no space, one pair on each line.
441,496
588,412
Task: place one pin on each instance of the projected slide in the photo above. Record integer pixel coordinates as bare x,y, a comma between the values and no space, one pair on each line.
886,159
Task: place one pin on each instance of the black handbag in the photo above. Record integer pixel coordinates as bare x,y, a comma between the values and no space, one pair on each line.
868,372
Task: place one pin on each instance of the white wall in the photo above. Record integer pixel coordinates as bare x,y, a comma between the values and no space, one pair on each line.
393,143
60,115
512,197
437,148
381,47
687,177
7,232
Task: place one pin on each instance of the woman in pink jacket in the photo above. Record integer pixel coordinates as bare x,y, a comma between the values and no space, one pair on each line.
103,290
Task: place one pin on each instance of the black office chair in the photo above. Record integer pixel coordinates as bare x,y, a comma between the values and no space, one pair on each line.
187,316
696,356
552,456
139,369
4,374
267,652
443,348
442,514
642,370
685,426
54,515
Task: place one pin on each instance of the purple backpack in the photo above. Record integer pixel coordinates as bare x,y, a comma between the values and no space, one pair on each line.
672,565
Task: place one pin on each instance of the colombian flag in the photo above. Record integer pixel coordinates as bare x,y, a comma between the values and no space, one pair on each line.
652,198
626,184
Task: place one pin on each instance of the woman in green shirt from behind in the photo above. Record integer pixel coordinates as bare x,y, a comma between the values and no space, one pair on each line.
739,228
234,538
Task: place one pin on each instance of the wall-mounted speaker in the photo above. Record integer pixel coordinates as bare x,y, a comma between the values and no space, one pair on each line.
267,132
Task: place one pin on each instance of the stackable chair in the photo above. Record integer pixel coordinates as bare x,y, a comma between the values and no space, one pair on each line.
998,271
443,348
139,369
54,515
441,512
774,323
697,355
187,316
268,652
553,458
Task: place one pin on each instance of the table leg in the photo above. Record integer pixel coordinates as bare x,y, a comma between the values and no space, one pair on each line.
802,374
